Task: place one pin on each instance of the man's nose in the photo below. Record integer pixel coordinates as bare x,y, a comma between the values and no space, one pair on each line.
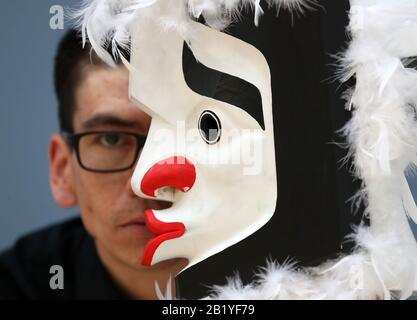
175,172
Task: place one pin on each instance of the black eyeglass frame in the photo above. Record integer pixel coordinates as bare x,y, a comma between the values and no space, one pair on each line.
73,140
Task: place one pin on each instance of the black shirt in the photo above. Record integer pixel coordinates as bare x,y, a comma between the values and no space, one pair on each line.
25,269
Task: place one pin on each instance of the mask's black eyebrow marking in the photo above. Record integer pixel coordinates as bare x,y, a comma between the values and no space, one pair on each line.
222,86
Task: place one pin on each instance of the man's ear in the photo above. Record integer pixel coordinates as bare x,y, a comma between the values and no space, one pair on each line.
60,173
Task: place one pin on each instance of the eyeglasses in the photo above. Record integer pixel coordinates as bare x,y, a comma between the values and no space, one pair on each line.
106,151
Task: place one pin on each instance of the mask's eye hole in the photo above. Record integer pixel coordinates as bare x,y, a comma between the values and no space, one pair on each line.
210,127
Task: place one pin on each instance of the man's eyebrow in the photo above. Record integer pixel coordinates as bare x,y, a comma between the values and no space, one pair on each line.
109,120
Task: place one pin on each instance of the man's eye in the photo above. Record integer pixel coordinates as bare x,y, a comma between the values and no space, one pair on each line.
110,139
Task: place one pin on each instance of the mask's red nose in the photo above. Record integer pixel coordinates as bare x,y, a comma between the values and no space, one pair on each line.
177,172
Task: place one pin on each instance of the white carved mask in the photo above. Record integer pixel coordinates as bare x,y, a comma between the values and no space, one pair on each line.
222,182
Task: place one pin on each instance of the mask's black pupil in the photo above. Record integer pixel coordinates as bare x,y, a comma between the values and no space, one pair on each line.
209,126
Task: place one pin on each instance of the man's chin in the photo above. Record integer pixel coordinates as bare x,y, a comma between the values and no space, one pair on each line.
133,258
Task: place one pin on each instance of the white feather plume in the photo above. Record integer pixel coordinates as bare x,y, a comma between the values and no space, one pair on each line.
105,23
168,291
360,275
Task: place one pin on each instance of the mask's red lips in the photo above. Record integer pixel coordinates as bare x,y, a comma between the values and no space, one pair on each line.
162,231
177,172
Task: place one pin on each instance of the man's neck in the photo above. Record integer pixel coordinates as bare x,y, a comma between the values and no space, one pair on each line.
140,283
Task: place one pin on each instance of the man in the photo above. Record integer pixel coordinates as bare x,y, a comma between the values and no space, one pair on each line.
90,165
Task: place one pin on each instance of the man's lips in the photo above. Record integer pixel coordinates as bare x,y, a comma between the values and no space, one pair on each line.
139,218
136,227
162,231
175,172
136,220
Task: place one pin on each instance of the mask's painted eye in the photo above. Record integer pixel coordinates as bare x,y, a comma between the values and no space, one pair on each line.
210,127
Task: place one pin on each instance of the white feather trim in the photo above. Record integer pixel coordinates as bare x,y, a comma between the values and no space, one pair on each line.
341,279
106,22
361,275
168,291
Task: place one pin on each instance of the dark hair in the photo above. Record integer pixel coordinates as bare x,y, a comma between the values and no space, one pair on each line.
69,61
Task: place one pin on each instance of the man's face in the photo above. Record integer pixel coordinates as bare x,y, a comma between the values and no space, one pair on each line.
110,211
